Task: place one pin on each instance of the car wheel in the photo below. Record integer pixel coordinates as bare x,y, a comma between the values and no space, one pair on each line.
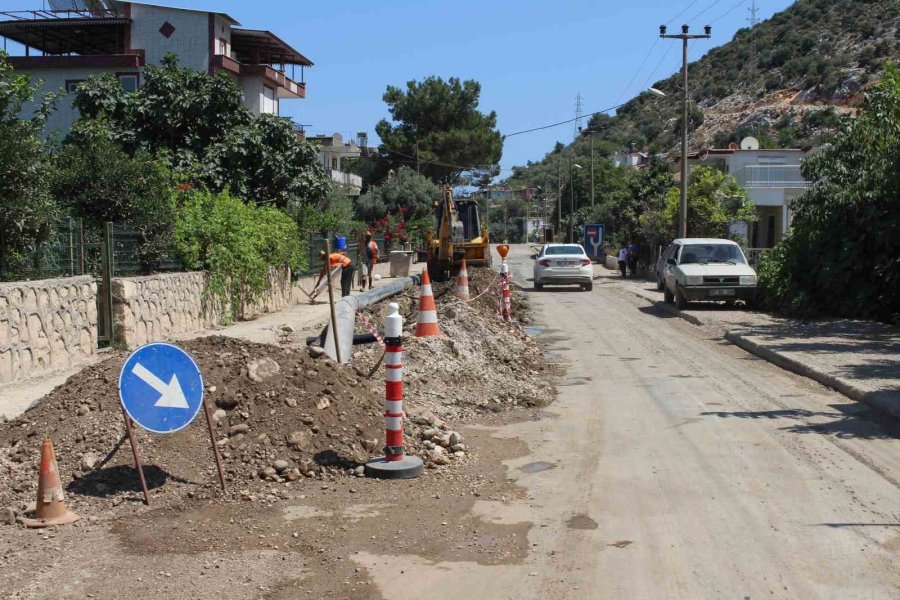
668,298
538,286
588,287
660,283
681,300
729,304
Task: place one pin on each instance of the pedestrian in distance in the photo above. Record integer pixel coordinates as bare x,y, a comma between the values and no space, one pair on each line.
333,261
632,258
623,258
370,259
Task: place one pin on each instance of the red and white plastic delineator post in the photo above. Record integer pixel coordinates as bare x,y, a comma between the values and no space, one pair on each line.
506,306
395,464
462,283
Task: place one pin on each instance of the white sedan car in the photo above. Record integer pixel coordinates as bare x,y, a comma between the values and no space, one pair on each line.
563,264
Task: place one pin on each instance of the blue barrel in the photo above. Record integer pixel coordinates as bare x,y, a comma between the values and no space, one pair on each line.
340,242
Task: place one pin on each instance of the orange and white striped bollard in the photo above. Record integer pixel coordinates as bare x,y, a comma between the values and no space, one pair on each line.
395,464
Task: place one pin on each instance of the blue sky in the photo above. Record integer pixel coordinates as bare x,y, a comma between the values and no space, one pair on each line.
532,58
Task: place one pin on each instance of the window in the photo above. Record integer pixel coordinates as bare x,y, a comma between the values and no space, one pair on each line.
269,103
712,253
72,85
222,46
563,250
128,81
334,164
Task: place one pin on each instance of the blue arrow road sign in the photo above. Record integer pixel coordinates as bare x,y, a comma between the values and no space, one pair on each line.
161,388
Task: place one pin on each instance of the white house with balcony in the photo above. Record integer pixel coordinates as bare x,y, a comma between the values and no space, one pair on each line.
65,45
334,152
772,179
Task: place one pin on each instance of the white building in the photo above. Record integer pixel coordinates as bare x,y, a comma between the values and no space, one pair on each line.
64,47
772,179
632,159
332,154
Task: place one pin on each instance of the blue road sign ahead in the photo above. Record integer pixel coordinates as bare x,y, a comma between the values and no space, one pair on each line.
593,240
161,388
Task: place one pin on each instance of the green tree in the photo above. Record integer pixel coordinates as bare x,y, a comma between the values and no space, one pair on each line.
841,255
200,125
439,122
96,180
715,199
405,194
28,210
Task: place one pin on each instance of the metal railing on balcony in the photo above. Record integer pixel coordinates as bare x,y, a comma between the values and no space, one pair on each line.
772,177
347,179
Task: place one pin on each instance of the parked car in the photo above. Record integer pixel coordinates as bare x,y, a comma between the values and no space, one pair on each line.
563,264
694,269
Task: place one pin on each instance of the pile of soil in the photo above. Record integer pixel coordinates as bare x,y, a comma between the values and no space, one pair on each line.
281,415
479,364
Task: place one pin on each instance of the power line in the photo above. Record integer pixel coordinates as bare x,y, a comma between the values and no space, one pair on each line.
639,69
684,10
728,12
566,122
702,12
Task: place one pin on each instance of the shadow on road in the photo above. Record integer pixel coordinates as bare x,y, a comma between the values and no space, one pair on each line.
850,420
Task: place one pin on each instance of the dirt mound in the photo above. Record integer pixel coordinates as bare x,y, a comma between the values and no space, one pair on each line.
479,364
281,415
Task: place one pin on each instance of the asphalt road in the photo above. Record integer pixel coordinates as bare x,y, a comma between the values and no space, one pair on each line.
674,465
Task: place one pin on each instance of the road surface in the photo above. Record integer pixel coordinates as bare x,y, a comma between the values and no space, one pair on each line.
674,465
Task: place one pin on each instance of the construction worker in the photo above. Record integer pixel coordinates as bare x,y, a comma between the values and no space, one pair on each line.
369,259
335,260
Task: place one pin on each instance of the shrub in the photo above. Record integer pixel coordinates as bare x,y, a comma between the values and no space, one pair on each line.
27,209
237,243
840,257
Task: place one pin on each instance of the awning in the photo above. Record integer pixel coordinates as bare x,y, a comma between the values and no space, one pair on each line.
83,35
255,46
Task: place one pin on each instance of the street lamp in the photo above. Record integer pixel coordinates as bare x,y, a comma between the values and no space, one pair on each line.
572,201
657,92
684,36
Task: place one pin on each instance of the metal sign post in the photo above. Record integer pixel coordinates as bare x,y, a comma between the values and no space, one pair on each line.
161,389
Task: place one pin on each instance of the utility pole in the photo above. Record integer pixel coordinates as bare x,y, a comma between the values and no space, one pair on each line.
558,197
684,36
592,170
417,156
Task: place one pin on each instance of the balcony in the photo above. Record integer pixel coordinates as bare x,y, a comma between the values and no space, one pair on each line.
772,177
287,88
349,180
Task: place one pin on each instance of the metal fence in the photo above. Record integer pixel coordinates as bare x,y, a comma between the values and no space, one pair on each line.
60,256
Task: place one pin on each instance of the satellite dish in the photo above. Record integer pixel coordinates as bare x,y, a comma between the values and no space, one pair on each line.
749,143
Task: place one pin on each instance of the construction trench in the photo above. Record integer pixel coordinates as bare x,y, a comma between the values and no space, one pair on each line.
294,430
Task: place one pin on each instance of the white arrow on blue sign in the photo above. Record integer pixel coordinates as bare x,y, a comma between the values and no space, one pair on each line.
161,388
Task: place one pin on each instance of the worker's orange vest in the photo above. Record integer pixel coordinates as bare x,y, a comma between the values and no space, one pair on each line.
337,258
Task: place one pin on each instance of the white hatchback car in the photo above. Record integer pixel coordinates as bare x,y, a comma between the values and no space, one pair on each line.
563,264
705,269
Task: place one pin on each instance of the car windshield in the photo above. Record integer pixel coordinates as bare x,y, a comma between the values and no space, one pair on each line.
559,250
711,253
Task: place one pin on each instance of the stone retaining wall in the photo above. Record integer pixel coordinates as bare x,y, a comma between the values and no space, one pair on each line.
159,307
46,324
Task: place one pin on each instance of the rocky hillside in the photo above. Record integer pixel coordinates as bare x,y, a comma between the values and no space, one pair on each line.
813,63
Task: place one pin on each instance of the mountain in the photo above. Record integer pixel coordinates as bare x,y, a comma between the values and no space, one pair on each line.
813,63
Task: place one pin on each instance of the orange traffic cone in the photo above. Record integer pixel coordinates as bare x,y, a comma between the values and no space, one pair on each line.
462,283
427,322
51,506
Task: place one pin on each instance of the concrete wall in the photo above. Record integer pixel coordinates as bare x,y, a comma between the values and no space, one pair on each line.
159,307
190,41
46,324
254,95
54,80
